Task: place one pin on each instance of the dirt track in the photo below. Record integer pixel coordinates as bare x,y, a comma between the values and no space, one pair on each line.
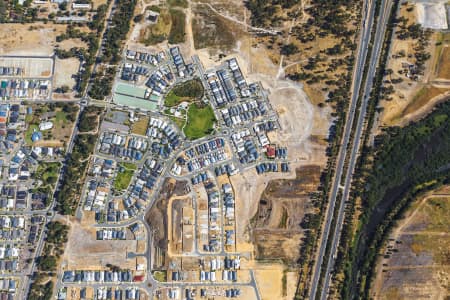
412,270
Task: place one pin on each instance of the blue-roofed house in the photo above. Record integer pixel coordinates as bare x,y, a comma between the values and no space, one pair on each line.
36,136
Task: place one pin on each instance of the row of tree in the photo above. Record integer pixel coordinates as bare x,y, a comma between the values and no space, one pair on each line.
76,164
112,48
41,287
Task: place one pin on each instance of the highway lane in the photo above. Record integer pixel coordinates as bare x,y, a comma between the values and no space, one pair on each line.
366,25
378,42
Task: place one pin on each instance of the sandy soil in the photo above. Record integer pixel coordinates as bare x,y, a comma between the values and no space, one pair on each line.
174,224
443,66
26,39
97,3
397,111
432,15
72,43
248,187
83,251
291,287
422,111
52,143
32,67
415,269
269,281
64,70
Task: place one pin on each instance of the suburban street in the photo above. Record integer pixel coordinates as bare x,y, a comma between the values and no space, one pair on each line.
346,149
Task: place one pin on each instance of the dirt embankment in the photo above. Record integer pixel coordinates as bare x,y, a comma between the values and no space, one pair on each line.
275,229
416,258
157,215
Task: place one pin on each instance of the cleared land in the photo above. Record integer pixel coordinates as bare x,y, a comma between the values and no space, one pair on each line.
170,26
97,3
32,67
283,205
83,251
422,98
212,31
443,67
72,43
157,218
156,33
140,126
26,39
412,94
432,15
65,69
416,260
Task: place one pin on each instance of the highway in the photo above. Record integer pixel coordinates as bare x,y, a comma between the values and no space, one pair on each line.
346,149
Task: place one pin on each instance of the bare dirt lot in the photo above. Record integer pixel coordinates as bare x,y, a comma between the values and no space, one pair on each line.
31,67
416,260
432,15
269,281
443,68
281,209
212,31
26,39
412,97
72,43
65,69
97,3
83,251
157,217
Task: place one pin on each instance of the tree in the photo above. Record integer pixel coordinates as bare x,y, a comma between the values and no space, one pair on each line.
47,263
289,49
138,18
63,5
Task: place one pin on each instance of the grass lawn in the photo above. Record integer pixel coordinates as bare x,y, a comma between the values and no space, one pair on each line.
160,276
172,99
60,117
124,176
128,166
47,172
178,121
200,121
28,118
